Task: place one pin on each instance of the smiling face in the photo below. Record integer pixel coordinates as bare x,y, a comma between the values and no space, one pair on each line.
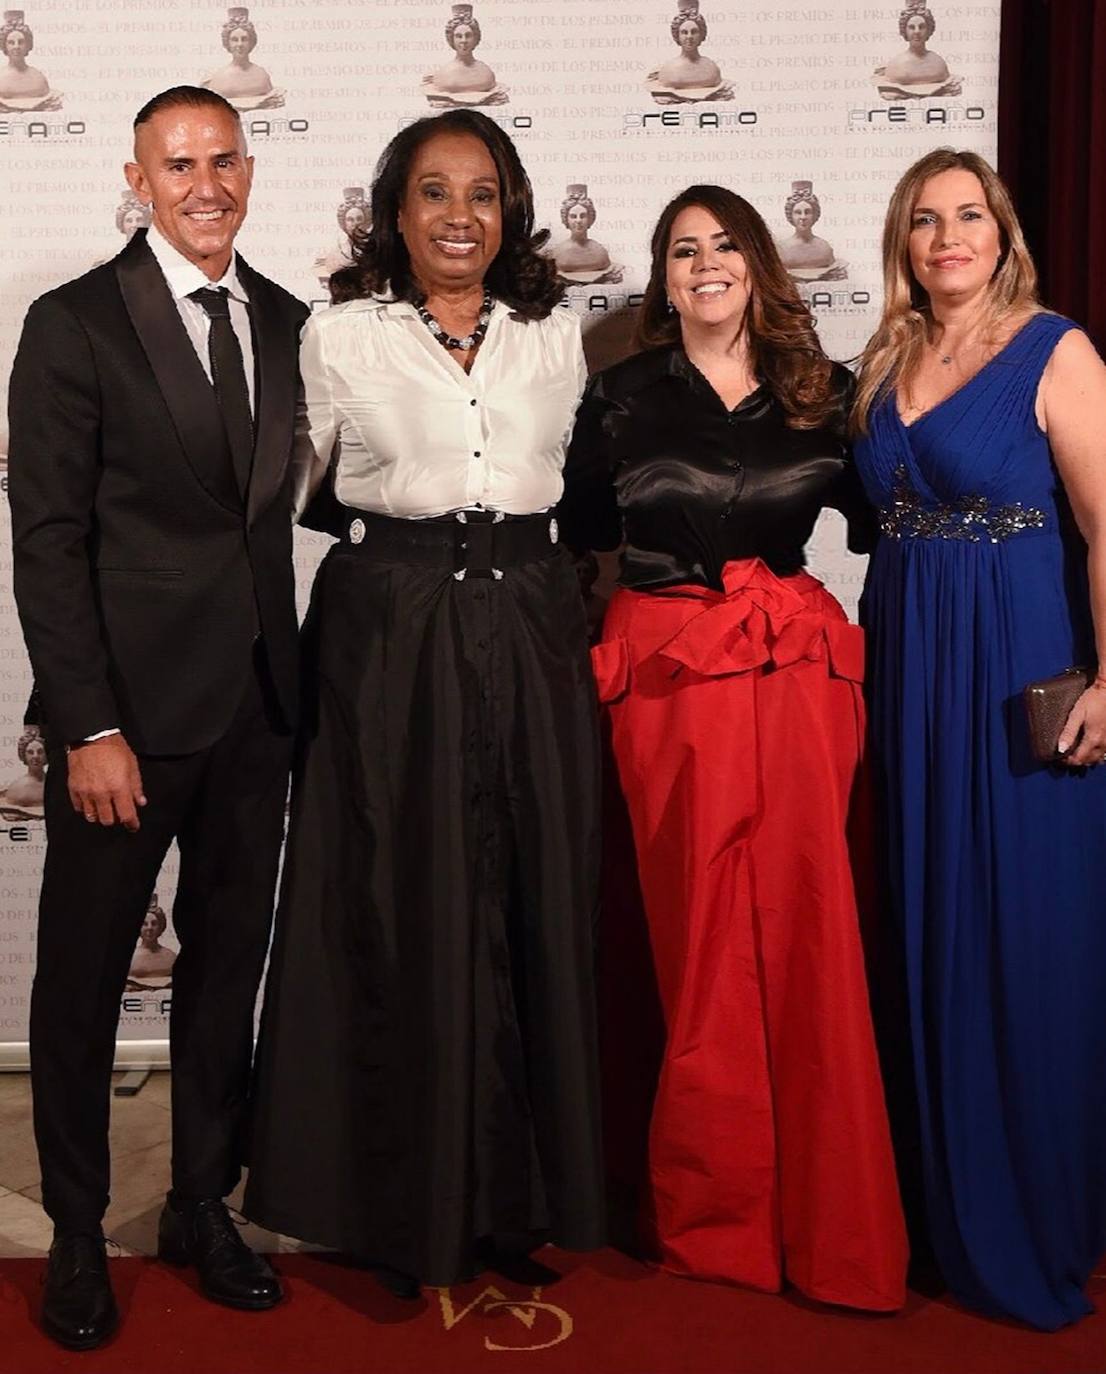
450,216
191,166
955,241
705,275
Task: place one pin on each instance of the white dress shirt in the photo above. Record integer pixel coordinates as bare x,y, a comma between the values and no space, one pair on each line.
412,434
182,277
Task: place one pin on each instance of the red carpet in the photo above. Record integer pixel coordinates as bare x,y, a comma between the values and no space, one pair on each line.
608,1315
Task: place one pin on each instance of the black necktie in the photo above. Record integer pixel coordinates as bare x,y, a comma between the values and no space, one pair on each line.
229,378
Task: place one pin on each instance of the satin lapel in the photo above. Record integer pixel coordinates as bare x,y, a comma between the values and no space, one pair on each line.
275,354
178,371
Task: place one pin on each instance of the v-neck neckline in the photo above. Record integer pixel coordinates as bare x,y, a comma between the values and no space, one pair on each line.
963,385
699,378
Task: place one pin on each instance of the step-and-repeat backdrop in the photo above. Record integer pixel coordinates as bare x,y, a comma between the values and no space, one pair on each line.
809,110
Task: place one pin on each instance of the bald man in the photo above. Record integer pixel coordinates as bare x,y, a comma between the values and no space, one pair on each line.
152,406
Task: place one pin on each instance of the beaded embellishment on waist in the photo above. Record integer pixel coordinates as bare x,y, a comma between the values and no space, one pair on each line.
972,518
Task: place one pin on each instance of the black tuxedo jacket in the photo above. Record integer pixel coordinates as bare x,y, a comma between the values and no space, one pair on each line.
141,574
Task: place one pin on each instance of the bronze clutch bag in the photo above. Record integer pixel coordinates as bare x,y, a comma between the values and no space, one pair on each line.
1048,704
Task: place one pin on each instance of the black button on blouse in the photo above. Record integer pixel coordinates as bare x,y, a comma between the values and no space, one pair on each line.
658,464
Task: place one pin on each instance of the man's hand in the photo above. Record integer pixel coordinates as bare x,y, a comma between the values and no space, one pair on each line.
104,782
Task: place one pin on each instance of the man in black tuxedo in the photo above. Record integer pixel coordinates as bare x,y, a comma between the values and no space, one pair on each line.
152,407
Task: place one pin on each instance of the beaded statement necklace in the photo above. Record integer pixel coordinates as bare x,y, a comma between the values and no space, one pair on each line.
448,341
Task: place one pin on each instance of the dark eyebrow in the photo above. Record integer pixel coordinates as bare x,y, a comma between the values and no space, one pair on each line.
691,238
492,179
171,161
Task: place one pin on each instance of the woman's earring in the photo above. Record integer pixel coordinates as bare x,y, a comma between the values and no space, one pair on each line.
670,307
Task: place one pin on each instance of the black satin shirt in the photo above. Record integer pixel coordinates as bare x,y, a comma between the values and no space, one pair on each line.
657,463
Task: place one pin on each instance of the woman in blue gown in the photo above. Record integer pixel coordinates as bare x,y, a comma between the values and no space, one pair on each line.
980,422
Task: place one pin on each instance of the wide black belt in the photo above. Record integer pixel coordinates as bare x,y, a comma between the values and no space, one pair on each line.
468,543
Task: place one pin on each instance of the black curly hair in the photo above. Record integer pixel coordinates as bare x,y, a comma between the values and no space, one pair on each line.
519,275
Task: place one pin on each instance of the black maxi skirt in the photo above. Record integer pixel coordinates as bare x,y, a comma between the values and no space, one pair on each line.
427,1066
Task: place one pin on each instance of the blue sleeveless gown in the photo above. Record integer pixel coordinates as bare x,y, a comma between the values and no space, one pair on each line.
997,863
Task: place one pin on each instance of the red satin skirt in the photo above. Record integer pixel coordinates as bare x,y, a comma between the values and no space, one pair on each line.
737,724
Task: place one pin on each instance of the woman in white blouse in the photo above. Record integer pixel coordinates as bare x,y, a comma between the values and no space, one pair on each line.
427,1083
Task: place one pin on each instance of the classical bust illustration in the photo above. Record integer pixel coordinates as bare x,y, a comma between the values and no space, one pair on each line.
464,80
132,215
152,963
916,73
21,798
806,256
353,217
23,88
690,76
581,260
246,85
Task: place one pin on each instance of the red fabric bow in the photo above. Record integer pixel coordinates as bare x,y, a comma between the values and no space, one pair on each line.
759,620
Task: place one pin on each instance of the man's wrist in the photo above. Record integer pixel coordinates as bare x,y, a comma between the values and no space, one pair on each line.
91,739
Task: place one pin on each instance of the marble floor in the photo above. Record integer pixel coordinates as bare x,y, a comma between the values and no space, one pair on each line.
140,1130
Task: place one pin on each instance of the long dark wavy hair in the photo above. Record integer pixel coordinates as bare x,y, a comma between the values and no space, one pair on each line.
783,347
519,275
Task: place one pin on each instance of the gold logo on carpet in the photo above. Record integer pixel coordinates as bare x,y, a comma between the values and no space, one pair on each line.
536,1316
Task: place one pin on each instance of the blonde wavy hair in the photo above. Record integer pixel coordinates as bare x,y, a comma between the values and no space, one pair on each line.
894,351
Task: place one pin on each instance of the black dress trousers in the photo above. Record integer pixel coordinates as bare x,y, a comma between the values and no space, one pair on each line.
225,807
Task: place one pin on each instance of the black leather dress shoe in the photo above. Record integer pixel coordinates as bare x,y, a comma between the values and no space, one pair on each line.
78,1306
203,1234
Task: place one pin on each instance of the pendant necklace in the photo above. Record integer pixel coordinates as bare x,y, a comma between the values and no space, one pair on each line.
947,359
447,340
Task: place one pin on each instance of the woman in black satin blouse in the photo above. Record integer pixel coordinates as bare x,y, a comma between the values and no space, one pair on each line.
732,679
